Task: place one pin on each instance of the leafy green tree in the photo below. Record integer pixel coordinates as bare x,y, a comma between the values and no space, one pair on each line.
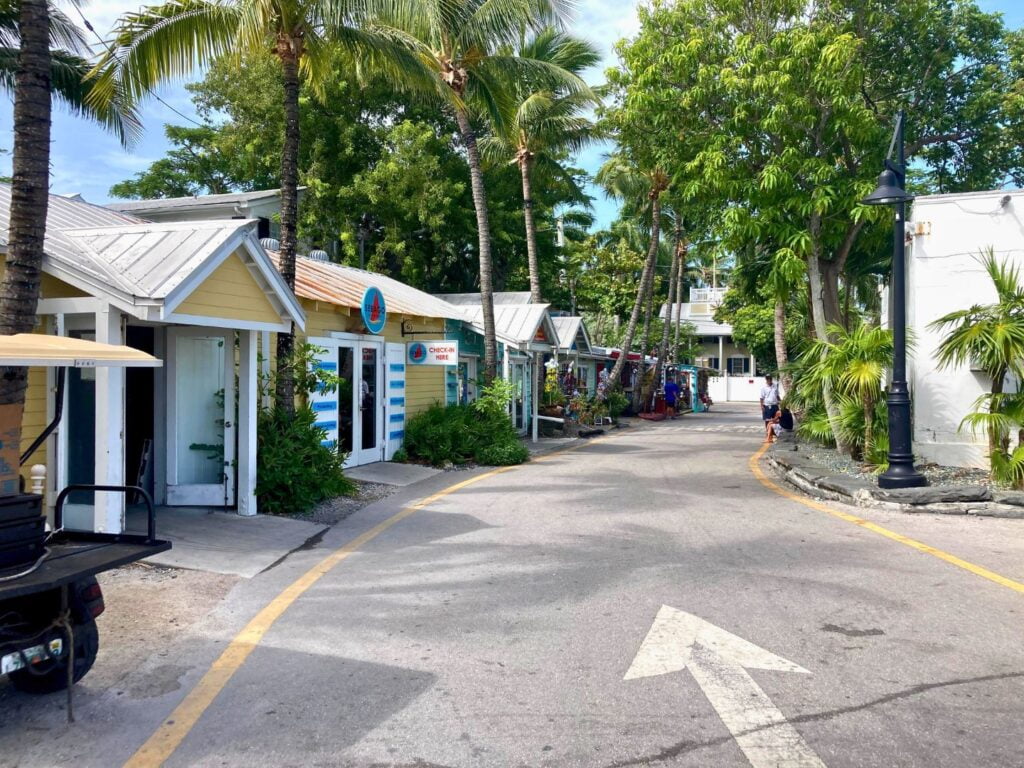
459,49
168,41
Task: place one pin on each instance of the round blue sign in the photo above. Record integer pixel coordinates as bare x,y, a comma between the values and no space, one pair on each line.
417,353
374,310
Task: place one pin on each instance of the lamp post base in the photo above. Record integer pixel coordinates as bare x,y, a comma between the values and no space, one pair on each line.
901,476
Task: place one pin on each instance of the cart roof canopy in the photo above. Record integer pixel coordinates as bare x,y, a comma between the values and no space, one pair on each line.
25,349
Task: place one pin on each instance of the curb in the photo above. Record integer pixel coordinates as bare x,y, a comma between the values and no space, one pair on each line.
818,482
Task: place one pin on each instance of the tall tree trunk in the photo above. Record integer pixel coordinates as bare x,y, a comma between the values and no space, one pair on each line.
531,227
19,288
640,394
781,354
869,428
815,279
634,317
484,238
667,325
679,301
289,56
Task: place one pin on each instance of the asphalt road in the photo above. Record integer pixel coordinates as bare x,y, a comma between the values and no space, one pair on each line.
495,627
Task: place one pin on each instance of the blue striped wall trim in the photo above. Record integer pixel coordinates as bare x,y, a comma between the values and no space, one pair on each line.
397,385
397,435
396,401
322,406
396,418
328,425
326,365
396,367
327,443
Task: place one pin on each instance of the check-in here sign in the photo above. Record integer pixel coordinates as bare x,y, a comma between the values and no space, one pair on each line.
433,353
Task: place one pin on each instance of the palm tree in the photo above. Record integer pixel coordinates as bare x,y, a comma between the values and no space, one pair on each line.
168,41
673,298
990,337
623,181
544,126
19,287
852,364
460,50
69,67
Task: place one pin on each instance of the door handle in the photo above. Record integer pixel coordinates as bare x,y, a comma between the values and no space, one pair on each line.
227,425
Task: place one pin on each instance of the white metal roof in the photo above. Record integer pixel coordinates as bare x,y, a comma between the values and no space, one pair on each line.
702,326
143,267
500,297
514,323
242,199
571,330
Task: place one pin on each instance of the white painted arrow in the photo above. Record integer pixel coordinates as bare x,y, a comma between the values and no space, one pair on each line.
718,661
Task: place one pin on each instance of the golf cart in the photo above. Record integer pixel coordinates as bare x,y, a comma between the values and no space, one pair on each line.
49,596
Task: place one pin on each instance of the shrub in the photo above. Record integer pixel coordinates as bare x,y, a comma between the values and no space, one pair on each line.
501,454
617,403
295,471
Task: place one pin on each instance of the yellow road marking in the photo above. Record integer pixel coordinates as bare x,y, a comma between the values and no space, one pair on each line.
977,570
173,730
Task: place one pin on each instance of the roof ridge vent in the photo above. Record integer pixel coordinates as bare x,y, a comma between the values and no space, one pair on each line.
318,255
270,244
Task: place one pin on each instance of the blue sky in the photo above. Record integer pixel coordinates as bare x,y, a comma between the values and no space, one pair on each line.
87,160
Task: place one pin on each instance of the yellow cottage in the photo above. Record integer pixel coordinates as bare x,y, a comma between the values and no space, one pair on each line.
196,294
384,383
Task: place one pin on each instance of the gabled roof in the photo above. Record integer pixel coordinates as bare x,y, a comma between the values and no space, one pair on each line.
242,199
571,330
143,268
515,324
501,297
344,286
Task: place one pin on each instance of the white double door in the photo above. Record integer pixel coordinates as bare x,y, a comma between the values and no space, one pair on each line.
201,408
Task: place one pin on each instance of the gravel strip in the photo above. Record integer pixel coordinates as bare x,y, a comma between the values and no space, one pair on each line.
836,462
337,509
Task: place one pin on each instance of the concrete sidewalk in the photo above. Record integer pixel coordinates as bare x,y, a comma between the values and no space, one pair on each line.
224,542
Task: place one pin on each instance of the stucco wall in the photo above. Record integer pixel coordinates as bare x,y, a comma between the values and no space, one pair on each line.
945,274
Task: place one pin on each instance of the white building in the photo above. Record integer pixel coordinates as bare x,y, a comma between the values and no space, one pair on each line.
736,366
947,235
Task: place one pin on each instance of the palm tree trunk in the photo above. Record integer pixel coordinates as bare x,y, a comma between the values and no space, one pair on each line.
19,287
996,441
781,354
634,317
285,389
667,326
531,228
679,300
869,428
484,237
640,397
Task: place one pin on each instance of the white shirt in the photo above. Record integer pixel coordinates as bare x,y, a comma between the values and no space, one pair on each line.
770,394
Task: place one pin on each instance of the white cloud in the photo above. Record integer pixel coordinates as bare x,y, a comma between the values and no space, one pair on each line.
604,23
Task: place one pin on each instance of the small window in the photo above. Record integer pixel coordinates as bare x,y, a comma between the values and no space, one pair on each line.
713,363
738,366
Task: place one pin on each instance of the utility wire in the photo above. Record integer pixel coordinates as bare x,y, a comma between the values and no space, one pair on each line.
110,50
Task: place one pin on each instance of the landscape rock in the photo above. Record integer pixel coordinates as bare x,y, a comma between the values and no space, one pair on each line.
936,494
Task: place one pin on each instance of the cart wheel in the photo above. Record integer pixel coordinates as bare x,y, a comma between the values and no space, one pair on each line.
87,644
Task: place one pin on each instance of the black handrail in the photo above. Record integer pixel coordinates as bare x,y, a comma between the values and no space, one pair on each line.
58,511
58,412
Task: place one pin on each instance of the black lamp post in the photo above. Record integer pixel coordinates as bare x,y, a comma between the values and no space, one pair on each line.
891,190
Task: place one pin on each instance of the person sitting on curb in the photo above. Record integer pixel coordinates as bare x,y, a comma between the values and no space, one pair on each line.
781,425
769,404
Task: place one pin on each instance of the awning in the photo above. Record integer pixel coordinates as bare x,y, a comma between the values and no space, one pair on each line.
26,349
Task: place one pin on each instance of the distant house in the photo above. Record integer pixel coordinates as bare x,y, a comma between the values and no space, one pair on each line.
736,366
262,206
946,235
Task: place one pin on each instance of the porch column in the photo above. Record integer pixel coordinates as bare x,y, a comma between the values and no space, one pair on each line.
753,365
108,513
535,395
721,355
248,402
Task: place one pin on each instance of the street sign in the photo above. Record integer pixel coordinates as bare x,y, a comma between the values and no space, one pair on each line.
433,353
718,661
374,310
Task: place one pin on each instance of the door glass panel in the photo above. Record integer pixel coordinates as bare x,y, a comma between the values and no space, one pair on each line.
81,426
199,402
518,394
368,398
346,370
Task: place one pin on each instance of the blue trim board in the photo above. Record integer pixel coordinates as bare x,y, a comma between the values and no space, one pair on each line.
396,385
396,401
396,367
396,418
397,435
323,406
326,365
328,425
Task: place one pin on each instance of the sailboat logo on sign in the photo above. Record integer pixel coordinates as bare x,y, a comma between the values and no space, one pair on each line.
374,310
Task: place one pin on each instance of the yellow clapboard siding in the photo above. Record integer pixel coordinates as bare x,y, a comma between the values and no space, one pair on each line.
232,293
33,420
52,288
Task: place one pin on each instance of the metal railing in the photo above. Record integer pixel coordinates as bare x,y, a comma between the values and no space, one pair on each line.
706,295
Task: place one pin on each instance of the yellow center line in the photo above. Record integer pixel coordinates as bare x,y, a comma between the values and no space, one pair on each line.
977,570
173,730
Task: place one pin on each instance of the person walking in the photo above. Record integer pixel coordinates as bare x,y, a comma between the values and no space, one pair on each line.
671,397
769,405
